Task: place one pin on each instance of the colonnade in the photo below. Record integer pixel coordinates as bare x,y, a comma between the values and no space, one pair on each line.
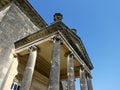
54,77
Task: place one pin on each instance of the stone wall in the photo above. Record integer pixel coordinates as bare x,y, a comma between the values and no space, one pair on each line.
14,25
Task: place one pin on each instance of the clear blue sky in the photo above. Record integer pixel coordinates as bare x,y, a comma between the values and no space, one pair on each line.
98,24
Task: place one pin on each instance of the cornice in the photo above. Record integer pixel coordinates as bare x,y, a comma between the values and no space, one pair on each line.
39,34
26,8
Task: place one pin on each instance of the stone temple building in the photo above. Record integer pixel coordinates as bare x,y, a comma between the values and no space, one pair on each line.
38,56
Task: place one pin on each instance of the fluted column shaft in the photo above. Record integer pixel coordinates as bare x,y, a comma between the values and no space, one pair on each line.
28,73
54,78
83,84
70,72
89,83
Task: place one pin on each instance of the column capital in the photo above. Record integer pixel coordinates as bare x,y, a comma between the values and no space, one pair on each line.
69,53
32,48
82,67
15,55
57,38
89,75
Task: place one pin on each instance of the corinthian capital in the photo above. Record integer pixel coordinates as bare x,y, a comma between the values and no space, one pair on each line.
32,48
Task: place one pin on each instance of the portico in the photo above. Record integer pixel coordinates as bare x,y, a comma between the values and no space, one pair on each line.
53,54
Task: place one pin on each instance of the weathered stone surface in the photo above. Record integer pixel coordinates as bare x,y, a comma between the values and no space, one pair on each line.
14,25
10,74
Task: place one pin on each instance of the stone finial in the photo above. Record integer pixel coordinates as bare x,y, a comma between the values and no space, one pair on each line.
74,30
58,17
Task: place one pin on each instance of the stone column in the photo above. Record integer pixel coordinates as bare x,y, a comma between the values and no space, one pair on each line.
70,72
28,73
89,82
54,77
83,84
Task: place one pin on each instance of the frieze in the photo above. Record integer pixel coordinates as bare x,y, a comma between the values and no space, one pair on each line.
35,36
